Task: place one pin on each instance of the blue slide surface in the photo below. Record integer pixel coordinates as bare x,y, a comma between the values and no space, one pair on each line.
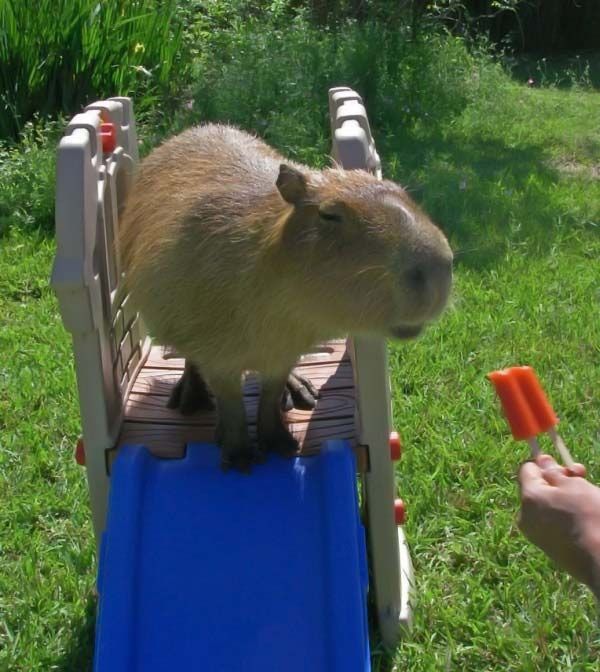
225,572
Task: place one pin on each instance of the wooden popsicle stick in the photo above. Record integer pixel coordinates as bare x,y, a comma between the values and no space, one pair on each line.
560,447
535,447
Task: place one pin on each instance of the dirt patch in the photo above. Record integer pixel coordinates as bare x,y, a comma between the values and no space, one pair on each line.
577,169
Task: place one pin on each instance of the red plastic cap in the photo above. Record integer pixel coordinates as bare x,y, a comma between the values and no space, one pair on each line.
108,135
399,512
523,400
80,452
395,446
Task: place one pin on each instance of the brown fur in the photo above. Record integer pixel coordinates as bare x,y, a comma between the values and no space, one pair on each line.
235,278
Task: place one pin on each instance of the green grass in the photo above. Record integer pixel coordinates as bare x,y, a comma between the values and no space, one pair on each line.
46,542
486,599
513,180
518,166
511,173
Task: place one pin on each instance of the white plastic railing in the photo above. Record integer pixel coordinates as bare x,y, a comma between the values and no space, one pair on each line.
109,340
354,148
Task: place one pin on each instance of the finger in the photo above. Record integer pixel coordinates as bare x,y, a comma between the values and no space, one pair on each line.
576,470
552,472
545,461
531,479
548,463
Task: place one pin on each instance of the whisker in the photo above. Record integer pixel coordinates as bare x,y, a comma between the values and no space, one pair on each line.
372,268
461,252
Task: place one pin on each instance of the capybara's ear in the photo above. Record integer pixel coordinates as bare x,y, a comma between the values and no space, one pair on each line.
291,184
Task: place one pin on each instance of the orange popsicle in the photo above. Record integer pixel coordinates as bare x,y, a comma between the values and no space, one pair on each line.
525,405
527,409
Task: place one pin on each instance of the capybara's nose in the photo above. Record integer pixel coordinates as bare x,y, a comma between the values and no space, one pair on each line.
431,280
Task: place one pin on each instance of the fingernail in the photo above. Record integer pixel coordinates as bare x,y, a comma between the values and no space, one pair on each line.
576,470
545,462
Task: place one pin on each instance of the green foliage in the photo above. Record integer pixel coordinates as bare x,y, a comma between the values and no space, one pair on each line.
271,79
57,55
27,178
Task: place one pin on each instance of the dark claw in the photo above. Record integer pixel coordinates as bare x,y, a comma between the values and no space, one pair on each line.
191,393
241,463
242,460
287,403
302,393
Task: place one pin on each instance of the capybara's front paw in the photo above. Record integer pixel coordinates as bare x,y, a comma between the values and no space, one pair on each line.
299,393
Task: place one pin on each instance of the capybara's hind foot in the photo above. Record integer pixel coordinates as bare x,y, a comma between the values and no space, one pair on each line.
242,458
299,393
279,441
191,393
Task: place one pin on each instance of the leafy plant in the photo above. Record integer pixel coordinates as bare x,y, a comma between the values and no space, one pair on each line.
257,75
27,177
57,55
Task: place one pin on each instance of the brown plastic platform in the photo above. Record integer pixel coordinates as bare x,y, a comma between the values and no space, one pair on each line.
165,432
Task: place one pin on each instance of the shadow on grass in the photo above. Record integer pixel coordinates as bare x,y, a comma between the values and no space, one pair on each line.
382,660
42,229
79,655
590,148
561,70
485,195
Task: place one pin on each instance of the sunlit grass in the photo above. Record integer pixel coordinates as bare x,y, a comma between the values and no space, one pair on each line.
511,174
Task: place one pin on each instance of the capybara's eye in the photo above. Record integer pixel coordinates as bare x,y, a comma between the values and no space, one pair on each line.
330,216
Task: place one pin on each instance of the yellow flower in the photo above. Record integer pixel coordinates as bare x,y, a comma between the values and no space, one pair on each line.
139,47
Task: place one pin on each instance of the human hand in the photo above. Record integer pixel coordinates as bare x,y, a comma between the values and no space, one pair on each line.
560,513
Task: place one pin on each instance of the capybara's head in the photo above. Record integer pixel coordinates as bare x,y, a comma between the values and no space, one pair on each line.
370,259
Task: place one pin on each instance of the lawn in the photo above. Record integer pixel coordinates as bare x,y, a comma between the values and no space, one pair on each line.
514,180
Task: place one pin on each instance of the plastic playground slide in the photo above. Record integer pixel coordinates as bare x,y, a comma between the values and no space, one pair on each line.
212,571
